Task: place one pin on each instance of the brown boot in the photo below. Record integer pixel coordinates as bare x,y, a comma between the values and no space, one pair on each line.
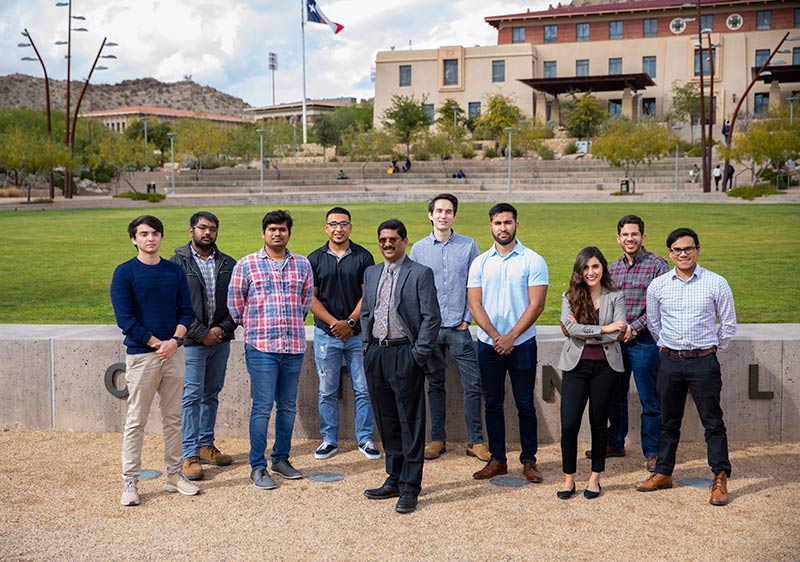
493,468
655,482
192,468
434,450
650,464
719,490
480,451
531,472
209,454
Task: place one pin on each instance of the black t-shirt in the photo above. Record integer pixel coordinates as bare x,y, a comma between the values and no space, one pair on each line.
338,281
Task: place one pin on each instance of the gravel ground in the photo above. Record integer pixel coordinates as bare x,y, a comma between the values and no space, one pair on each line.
59,494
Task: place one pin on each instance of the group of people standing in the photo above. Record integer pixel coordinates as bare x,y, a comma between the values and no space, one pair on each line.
392,323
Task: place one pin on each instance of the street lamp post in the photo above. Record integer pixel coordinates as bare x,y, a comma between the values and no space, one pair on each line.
261,157
171,136
144,120
509,130
792,100
676,128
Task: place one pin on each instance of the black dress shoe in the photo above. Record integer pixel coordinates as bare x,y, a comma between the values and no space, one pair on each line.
406,504
566,494
590,495
383,493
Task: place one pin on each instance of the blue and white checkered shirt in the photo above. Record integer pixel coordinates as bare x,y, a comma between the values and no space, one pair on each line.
683,315
206,267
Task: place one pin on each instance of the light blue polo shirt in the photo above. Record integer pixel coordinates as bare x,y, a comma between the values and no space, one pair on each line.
505,281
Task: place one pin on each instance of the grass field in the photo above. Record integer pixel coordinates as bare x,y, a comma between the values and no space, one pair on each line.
55,266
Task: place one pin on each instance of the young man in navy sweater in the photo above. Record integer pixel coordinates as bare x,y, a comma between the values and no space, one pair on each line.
153,308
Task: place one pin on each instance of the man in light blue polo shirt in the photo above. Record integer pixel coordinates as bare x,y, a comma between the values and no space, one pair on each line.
449,255
506,291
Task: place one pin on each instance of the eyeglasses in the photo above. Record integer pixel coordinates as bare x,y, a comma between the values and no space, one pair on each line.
204,228
687,250
343,224
389,240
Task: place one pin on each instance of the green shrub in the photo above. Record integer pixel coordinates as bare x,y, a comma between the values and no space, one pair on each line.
490,152
43,200
468,152
546,153
333,159
694,152
136,196
749,193
571,148
518,152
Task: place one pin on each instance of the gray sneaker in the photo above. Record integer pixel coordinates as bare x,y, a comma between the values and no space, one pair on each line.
177,482
285,469
130,493
261,480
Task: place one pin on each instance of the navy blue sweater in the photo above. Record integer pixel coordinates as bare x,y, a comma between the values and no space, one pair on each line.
150,300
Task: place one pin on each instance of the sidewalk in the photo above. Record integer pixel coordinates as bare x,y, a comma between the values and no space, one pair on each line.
59,493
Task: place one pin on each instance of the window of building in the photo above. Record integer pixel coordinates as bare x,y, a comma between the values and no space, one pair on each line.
761,103
405,75
517,34
649,66
548,109
474,109
797,17
615,107
615,66
707,22
764,19
498,71
582,67
761,56
451,72
550,33
706,62
650,27
615,30
582,32
649,107
796,55
428,107
550,69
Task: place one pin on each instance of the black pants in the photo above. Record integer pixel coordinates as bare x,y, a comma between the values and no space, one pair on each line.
702,377
595,382
396,388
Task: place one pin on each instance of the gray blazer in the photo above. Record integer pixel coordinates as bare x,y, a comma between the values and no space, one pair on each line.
417,307
612,308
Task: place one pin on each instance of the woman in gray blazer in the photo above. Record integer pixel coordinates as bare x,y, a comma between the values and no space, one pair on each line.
592,318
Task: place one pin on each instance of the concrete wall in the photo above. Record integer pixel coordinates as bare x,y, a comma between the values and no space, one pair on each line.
51,377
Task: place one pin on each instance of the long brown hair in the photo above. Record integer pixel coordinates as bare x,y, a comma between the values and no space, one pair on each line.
580,301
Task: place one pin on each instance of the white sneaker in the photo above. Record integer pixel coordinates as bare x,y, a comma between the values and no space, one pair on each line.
177,482
370,450
130,493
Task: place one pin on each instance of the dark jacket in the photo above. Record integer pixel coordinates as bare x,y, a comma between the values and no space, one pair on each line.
223,267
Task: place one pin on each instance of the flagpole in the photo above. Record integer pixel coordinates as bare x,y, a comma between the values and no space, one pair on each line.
303,33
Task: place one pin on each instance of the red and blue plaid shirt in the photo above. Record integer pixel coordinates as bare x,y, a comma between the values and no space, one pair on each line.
271,299
633,280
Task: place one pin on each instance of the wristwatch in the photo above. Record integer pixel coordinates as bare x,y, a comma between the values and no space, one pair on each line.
179,340
351,322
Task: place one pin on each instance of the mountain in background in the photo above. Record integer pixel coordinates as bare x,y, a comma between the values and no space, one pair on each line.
20,90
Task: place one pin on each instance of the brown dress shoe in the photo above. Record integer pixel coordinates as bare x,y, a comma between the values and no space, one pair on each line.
434,450
719,490
531,472
655,482
493,468
209,454
650,464
480,451
192,468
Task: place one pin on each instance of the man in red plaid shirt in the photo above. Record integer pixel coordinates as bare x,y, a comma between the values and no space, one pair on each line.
270,295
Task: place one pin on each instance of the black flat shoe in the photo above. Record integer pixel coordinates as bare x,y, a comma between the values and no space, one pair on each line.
383,493
406,504
566,494
589,495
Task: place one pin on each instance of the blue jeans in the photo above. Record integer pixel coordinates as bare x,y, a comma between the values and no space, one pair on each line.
273,379
203,380
328,353
521,367
462,350
641,357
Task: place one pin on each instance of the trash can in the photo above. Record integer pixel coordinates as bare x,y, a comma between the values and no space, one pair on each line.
151,187
624,186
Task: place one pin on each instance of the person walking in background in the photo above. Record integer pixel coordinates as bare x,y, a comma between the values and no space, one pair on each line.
593,317
729,171
153,308
717,173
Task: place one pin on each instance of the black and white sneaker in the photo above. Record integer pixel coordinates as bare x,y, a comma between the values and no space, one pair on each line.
369,450
326,450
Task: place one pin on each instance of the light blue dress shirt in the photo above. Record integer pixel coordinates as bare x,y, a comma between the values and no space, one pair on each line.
504,281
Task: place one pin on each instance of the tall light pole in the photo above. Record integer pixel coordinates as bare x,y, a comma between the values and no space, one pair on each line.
676,128
261,157
792,100
171,136
509,130
273,66
144,122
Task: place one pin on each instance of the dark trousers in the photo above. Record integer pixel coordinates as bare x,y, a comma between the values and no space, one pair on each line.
702,377
595,382
396,388
521,367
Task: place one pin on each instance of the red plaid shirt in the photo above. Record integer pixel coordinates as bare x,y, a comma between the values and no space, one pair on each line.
271,299
633,280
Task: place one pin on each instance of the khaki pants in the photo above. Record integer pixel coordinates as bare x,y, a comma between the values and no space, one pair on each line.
146,374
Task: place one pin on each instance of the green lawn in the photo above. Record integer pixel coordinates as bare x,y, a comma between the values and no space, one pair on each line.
55,266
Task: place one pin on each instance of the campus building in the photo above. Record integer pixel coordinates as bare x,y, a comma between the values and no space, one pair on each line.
118,119
626,53
293,111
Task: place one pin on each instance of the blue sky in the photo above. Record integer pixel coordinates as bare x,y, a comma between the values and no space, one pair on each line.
225,44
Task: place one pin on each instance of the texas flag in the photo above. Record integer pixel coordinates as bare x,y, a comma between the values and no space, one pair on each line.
315,14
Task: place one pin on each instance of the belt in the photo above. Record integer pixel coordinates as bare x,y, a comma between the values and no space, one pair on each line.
391,343
689,353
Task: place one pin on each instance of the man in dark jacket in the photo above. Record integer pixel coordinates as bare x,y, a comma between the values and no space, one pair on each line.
207,342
